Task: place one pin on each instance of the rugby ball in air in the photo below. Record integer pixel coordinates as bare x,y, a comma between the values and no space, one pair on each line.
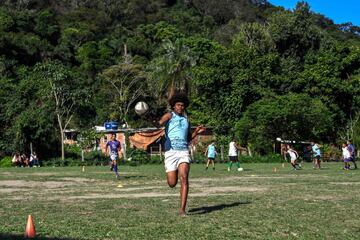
141,108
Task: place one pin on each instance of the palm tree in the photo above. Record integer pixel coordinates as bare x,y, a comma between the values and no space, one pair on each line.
171,71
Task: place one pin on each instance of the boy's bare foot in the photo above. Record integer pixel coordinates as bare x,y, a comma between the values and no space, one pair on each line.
182,213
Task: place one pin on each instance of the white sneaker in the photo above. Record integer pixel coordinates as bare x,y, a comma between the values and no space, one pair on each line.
240,169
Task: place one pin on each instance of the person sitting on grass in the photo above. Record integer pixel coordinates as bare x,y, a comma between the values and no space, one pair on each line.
24,160
178,136
34,161
16,160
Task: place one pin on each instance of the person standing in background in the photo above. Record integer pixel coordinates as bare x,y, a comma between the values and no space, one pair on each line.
210,153
351,149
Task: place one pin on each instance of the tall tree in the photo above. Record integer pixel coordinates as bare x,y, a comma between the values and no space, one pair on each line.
124,84
63,93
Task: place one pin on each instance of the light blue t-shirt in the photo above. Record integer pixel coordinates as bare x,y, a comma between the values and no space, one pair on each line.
176,133
316,150
211,151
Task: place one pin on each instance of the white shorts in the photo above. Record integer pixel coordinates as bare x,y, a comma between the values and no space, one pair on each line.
173,158
114,157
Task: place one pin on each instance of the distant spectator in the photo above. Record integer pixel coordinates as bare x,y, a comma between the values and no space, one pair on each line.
316,155
351,149
24,160
346,156
16,160
210,153
34,160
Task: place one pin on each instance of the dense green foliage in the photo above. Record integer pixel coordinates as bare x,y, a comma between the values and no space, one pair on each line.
252,70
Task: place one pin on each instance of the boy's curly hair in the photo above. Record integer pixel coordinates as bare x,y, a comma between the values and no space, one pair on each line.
179,97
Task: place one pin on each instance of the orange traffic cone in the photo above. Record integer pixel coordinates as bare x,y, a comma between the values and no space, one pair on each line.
30,228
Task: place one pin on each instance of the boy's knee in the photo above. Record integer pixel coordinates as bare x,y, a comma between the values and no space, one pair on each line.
184,179
172,184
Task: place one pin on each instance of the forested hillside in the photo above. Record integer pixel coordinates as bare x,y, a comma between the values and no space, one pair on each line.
251,69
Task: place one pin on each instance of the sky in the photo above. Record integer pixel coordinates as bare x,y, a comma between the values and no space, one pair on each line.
340,11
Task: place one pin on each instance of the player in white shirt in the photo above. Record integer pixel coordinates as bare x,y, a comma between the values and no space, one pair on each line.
346,156
233,155
293,157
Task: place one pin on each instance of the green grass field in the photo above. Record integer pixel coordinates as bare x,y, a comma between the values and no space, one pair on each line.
258,203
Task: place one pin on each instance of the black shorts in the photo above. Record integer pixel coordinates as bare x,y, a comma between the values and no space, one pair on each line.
317,157
233,158
211,158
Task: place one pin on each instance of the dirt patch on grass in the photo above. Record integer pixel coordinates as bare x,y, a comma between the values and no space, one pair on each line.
66,182
35,184
43,174
12,190
322,197
127,195
120,172
78,180
124,193
238,178
232,189
345,183
66,188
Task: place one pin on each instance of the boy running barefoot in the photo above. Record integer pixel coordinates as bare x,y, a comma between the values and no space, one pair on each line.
178,137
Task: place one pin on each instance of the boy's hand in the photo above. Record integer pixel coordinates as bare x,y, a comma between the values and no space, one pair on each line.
200,129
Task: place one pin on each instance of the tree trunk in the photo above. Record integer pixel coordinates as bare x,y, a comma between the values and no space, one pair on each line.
249,151
62,146
222,153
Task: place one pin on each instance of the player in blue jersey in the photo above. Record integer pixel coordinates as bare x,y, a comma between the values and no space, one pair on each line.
115,150
351,148
210,153
178,136
316,155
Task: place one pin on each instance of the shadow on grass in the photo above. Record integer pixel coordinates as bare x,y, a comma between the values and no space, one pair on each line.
130,177
209,209
9,236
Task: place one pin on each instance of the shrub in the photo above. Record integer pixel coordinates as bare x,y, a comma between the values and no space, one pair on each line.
138,156
6,161
155,159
